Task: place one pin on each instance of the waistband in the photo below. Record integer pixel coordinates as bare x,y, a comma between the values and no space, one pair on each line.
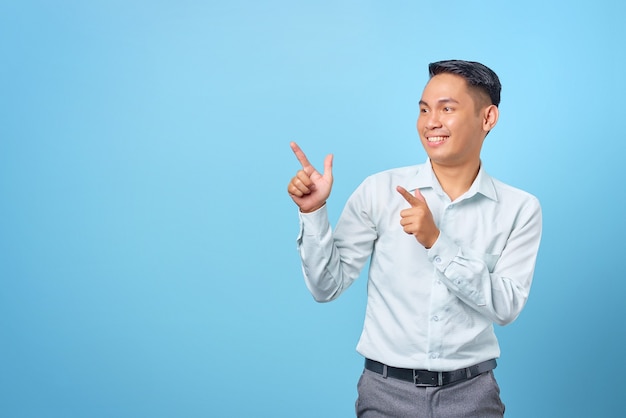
427,377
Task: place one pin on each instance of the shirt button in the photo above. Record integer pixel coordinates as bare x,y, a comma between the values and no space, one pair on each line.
434,355
438,260
435,318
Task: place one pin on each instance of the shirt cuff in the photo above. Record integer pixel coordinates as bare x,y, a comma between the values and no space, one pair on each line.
313,223
442,252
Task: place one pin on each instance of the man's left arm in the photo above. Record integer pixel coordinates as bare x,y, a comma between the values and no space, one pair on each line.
497,286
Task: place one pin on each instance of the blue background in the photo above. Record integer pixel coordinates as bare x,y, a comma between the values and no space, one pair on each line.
147,243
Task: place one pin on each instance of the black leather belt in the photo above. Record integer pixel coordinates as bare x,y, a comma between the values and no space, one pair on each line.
428,378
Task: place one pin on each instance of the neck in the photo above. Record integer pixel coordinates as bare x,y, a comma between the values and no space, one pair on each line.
456,180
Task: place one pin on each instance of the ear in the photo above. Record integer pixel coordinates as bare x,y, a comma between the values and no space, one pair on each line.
490,117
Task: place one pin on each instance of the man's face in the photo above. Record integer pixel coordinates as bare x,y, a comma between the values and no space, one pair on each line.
450,122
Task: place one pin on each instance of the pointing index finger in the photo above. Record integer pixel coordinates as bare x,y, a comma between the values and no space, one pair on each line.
300,155
412,200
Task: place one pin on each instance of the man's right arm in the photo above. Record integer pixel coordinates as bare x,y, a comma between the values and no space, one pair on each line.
333,260
326,276
321,265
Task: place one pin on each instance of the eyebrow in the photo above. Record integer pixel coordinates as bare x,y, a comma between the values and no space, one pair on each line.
441,101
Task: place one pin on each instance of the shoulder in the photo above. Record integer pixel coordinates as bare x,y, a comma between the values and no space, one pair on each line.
509,194
381,186
398,174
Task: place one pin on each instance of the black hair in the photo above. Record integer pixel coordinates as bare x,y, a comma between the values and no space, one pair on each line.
475,74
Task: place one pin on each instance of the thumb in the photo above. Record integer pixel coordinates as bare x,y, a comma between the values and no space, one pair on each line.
328,166
419,196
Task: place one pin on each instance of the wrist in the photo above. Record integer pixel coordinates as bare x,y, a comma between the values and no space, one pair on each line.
313,209
432,241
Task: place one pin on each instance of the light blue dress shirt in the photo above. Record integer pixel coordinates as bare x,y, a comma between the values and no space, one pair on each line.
427,309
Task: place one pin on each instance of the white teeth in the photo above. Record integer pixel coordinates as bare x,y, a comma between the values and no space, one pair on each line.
436,138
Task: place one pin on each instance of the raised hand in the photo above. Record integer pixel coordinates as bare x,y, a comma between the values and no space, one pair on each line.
418,219
309,189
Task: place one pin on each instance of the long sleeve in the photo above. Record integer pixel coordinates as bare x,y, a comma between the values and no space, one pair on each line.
495,285
328,267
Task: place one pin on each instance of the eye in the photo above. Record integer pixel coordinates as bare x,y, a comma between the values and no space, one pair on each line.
447,109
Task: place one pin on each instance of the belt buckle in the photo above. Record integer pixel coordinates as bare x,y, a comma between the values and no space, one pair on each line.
418,374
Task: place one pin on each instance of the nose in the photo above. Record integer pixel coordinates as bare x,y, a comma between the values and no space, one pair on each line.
431,120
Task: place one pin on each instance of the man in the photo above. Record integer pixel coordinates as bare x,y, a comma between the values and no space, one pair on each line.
452,251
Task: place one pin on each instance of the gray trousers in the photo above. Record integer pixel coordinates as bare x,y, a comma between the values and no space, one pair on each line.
387,397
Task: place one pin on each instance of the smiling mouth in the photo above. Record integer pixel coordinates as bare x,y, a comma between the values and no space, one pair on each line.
435,139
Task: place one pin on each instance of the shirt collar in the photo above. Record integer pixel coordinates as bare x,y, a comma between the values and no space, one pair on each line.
425,178
483,184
